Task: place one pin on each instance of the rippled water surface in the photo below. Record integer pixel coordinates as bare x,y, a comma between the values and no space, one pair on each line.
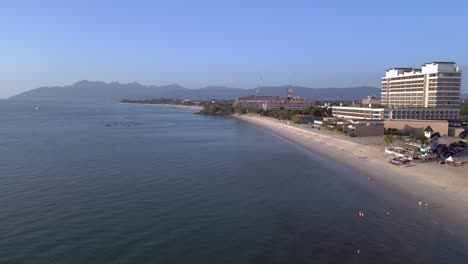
114,183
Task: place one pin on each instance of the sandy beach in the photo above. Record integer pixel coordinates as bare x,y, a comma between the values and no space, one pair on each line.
430,183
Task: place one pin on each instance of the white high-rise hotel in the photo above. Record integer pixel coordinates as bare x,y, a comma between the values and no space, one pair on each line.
430,93
435,85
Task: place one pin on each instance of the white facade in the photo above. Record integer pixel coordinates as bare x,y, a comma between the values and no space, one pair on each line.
364,113
435,85
395,113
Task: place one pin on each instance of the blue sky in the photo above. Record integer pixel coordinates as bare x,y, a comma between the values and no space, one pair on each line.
199,43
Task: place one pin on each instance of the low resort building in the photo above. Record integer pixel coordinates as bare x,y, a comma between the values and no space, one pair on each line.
365,128
305,118
412,121
365,113
347,112
355,128
417,127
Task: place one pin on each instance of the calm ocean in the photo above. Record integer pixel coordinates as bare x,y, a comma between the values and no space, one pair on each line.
114,183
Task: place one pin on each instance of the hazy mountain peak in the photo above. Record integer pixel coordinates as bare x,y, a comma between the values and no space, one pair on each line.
86,83
86,90
175,85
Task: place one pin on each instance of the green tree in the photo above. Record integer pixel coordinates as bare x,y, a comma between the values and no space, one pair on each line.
388,139
424,141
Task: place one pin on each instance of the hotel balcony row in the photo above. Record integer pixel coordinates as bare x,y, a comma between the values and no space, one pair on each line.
396,113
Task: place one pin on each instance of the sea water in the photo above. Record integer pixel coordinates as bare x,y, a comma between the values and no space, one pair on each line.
118,183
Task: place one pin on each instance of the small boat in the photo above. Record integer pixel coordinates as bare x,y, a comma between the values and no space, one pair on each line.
399,161
37,108
399,152
390,150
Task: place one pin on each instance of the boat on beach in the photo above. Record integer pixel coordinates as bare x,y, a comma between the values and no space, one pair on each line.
390,150
400,161
399,152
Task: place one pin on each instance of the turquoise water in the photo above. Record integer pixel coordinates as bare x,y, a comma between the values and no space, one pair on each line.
114,183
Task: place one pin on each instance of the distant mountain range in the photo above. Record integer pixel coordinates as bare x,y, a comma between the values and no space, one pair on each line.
95,90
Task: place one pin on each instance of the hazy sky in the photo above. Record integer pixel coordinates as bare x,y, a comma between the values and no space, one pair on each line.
199,43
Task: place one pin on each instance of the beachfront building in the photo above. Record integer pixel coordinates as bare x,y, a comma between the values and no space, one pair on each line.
417,127
434,85
449,114
365,128
357,128
432,137
305,118
348,112
429,93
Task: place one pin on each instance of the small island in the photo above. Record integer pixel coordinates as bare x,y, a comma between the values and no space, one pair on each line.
196,105
205,107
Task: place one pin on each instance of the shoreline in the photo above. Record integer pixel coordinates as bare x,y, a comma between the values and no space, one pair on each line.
430,183
193,107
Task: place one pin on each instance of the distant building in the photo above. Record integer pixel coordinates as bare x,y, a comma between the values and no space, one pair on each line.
435,85
295,104
371,101
274,102
255,101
